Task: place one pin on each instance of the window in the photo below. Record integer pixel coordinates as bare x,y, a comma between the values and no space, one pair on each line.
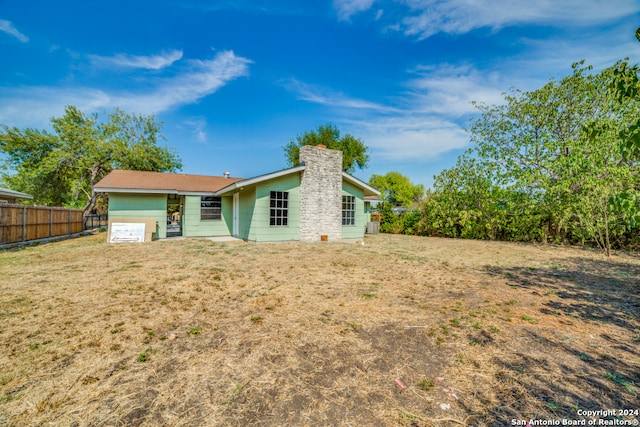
210,208
348,210
279,208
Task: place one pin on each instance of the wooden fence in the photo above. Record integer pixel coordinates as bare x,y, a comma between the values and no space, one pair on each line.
22,223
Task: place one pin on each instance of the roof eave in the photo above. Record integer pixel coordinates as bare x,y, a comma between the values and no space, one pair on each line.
15,194
153,191
134,190
258,179
368,190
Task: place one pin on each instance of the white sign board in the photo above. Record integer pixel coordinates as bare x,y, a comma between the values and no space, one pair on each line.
127,232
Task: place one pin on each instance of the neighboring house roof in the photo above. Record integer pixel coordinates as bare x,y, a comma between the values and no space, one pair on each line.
127,181
5,192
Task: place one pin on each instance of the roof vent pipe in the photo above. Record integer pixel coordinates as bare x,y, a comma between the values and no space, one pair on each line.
226,174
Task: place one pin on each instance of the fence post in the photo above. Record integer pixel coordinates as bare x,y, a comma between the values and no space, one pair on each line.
50,222
24,225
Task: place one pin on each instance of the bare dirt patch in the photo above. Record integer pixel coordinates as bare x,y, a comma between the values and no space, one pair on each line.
402,331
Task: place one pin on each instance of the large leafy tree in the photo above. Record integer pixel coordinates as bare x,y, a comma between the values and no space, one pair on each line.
536,170
397,189
354,151
62,167
626,88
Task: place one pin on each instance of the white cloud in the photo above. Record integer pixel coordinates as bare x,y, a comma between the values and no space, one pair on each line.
429,17
7,27
553,57
197,127
201,78
121,60
410,137
328,97
33,106
425,120
448,90
346,8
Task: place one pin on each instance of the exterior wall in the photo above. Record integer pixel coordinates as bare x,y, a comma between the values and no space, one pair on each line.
130,205
257,217
355,231
192,226
320,194
245,216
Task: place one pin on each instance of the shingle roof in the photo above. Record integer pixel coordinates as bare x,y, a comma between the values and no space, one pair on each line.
161,182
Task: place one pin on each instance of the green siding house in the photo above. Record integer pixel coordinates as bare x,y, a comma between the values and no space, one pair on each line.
311,202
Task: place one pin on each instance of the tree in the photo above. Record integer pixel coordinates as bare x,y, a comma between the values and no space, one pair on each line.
544,164
539,144
61,168
354,152
397,189
626,88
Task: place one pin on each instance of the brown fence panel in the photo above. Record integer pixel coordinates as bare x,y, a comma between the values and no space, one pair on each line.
60,222
37,223
20,223
10,224
77,224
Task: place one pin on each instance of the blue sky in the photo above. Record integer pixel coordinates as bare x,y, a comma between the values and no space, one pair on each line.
233,81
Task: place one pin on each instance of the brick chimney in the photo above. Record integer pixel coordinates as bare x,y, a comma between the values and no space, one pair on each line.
320,194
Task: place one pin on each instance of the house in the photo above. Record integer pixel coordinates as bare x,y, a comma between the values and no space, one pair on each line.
10,196
310,202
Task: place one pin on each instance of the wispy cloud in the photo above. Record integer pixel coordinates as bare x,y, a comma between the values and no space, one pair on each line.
199,79
553,57
409,136
197,127
33,106
433,110
153,62
424,18
428,17
330,98
448,90
196,80
346,8
7,27
425,119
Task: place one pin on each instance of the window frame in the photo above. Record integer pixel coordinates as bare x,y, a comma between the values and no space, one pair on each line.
348,210
278,208
211,212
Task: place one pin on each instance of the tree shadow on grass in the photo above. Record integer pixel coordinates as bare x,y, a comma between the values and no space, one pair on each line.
551,375
558,380
604,291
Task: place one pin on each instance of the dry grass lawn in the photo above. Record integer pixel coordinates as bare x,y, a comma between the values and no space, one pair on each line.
404,331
